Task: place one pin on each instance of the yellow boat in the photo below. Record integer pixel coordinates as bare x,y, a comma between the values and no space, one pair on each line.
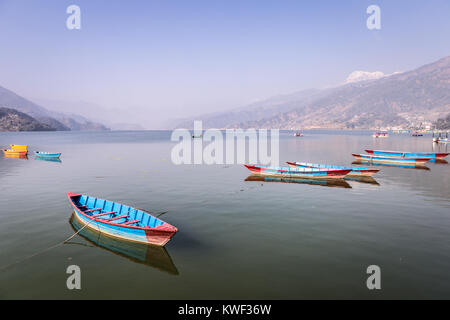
16,147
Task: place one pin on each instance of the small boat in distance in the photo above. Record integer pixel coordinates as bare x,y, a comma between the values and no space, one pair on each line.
17,147
408,166
408,154
120,221
309,173
47,154
298,134
417,134
441,140
370,158
380,134
14,153
355,171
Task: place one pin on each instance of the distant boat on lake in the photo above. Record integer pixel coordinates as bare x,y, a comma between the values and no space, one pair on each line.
17,147
14,153
380,134
370,158
407,154
310,173
47,154
355,171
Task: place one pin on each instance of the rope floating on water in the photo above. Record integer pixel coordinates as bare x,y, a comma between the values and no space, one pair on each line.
46,249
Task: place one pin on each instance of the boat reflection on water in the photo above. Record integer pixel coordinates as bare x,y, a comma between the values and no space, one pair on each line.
150,255
367,163
48,159
369,180
15,156
439,161
339,183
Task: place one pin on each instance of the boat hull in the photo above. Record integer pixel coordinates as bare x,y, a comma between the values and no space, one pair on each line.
47,155
17,147
312,173
407,154
355,171
390,160
14,153
159,235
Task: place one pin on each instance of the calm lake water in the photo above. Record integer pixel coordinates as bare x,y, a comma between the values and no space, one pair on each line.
238,239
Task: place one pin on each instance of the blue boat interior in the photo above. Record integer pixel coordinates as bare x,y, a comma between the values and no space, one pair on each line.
114,212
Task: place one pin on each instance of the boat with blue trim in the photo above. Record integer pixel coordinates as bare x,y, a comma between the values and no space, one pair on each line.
120,221
370,158
408,154
42,154
310,173
355,171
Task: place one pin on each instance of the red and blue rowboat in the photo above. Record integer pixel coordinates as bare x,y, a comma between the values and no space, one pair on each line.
120,221
310,173
390,160
355,171
408,154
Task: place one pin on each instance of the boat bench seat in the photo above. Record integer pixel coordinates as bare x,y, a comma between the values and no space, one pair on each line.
102,214
118,217
92,210
129,222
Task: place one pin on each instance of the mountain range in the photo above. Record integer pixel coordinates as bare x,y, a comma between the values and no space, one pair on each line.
366,101
42,117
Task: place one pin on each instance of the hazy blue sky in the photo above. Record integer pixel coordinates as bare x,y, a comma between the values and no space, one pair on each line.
181,58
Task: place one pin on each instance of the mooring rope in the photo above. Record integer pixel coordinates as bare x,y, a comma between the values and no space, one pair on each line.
46,249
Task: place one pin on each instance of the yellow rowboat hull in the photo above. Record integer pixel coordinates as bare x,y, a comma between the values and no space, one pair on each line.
16,147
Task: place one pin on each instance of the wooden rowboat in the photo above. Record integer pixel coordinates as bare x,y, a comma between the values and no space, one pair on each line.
47,154
407,154
120,221
355,171
390,160
14,153
310,173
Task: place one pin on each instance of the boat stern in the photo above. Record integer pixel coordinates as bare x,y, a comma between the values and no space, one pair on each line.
160,235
